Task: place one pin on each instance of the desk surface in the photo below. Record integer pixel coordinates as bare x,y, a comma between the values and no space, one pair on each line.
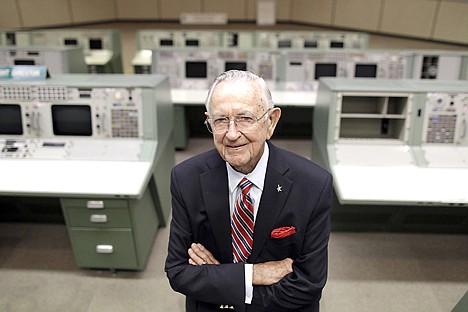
96,168
400,185
71,178
390,175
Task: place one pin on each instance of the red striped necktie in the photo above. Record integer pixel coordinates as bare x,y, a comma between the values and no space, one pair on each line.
242,223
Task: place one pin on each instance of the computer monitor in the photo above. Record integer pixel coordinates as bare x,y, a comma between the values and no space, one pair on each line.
284,44
95,44
325,70
195,69
192,43
74,120
166,42
365,71
430,64
24,62
310,44
11,38
337,44
70,42
235,65
10,119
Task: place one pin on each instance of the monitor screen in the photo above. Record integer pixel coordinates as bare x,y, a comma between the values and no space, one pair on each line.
95,44
72,120
10,38
191,43
195,69
166,42
365,71
310,44
336,44
10,119
284,44
235,65
234,40
429,67
325,70
70,42
24,62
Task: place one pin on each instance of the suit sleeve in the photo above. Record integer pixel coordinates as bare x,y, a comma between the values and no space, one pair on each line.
217,284
304,286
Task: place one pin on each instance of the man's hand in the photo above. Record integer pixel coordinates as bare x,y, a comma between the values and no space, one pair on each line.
199,255
271,272
266,273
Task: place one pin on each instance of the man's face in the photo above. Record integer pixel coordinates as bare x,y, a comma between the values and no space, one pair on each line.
242,150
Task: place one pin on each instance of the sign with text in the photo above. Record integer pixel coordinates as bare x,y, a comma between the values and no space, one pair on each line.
23,72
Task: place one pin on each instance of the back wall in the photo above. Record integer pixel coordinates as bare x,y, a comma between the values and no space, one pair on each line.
435,20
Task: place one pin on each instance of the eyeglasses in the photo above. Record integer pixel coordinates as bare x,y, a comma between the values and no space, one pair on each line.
244,123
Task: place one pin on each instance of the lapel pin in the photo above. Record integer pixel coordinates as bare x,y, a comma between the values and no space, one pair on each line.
279,188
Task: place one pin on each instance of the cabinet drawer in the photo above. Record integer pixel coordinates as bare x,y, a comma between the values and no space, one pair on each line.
98,218
94,204
103,248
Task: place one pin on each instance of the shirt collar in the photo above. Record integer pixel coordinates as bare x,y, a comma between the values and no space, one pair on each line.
257,176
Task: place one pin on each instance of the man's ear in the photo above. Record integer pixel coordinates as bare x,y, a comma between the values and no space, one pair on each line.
273,118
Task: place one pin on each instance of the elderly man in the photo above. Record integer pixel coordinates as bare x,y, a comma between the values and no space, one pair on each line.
250,221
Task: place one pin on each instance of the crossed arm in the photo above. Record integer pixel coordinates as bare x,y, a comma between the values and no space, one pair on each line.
266,273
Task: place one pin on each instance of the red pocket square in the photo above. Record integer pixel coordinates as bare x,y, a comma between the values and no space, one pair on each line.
283,232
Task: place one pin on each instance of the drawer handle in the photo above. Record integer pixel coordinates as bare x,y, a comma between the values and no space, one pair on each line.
104,249
98,218
95,204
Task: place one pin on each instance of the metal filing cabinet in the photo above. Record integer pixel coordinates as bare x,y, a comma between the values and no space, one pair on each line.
111,233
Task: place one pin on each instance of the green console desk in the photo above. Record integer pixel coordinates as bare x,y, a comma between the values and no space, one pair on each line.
462,305
103,145
287,96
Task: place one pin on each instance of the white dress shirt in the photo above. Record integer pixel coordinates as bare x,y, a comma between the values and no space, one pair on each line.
257,177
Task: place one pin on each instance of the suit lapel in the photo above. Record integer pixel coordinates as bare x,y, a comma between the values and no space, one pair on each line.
216,197
274,195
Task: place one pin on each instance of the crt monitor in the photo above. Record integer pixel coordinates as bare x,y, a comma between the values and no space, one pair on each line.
24,62
365,71
310,44
95,44
166,42
429,67
325,70
11,38
10,119
195,69
72,120
235,65
337,44
70,42
284,44
192,43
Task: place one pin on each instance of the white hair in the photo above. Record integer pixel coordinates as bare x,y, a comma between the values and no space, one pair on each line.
241,75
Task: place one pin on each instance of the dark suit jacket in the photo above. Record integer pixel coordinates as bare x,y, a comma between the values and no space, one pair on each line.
200,214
